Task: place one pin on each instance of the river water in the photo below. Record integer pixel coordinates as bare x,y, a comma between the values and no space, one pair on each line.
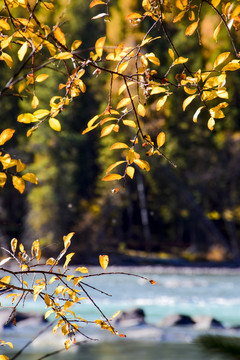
194,292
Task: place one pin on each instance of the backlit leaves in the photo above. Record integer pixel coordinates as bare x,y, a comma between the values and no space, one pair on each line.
6,135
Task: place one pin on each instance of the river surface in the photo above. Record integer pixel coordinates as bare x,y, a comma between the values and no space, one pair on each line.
194,292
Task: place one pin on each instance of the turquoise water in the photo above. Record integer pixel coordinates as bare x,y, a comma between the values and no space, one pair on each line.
178,291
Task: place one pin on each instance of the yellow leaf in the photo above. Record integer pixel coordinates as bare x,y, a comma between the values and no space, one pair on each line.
3,179
191,28
39,114
133,16
107,130
35,102
161,102
187,101
4,357
221,58
67,344
6,135
130,123
130,171
77,280
161,139
215,2
158,90
99,46
48,313
68,259
195,116
123,102
82,269
22,51
41,77
67,239
36,250
76,44
142,164
7,58
211,123
122,67
180,60
179,17
5,43
104,260
171,54
18,183
216,32
115,315
181,4
96,2
141,110
14,245
130,156
119,145
50,261
4,25
111,177
63,56
59,35
152,58
55,124
232,66
67,305
26,118
47,301
20,166
70,277
30,177
6,280
111,167
123,87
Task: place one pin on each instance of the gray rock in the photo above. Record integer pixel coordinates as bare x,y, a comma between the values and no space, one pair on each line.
177,320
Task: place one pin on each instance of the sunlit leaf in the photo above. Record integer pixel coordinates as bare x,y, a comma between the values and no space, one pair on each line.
152,58
18,183
67,240
111,177
119,145
82,269
30,177
35,102
63,56
221,58
7,58
6,135
195,116
4,357
99,46
99,16
161,139
75,45
216,32
187,101
5,280
232,66
111,167
143,164
4,261
215,2
158,90
141,110
133,16
39,114
211,123
59,35
3,179
161,102
180,60
104,260
107,130
41,77
67,344
130,171
55,124
124,102
25,118
36,250
22,51
68,259
96,2
191,28
171,54
123,87
50,261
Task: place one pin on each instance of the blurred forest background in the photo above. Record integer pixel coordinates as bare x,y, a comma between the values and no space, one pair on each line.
192,211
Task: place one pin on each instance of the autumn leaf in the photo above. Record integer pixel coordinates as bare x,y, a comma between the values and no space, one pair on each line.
187,101
41,77
99,46
18,183
161,139
63,56
67,239
111,167
104,260
130,171
30,177
3,179
111,177
75,45
96,2
55,124
141,110
6,135
161,102
7,58
191,28
68,259
22,51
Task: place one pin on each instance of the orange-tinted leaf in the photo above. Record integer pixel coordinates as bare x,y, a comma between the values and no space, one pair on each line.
68,259
96,2
133,16
63,56
161,102
6,135
191,28
180,60
3,179
142,164
107,130
124,102
59,35
141,110
104,260
25,118
41,77
119,145
30,177
76,44
187,101
67,239
22,51
153,282
111,167
36,250
130,123
18,183
35,102
111,177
